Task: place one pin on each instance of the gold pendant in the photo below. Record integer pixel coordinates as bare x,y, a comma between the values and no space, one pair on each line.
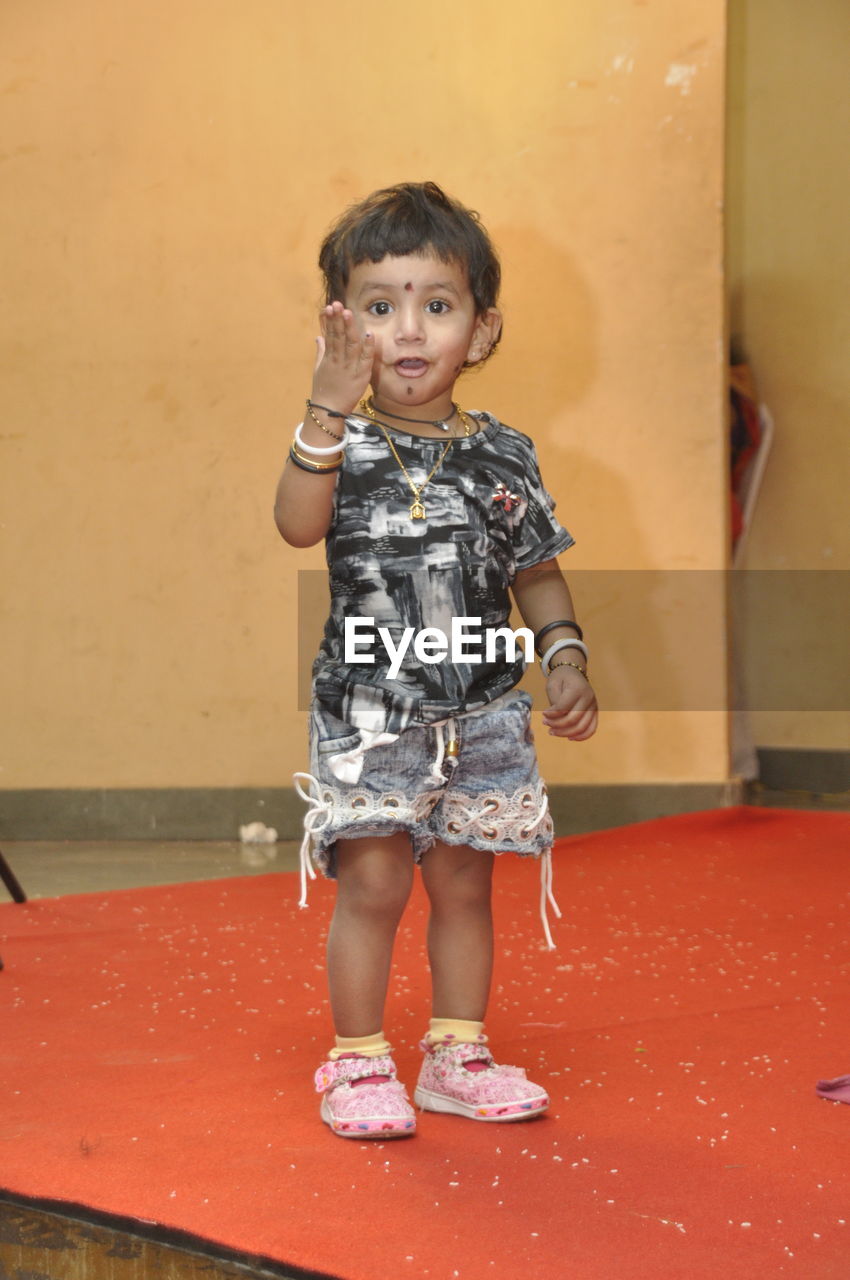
417,511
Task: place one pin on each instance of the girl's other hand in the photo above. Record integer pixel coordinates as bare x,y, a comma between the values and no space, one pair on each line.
343,361
573,712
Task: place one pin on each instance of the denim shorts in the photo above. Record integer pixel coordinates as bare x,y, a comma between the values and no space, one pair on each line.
488,796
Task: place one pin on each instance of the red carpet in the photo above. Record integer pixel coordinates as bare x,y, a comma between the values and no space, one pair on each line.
157,1051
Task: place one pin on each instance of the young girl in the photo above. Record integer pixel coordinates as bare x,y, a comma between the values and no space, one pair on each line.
432,517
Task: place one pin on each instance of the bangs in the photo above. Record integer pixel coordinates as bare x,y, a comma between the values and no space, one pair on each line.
385,234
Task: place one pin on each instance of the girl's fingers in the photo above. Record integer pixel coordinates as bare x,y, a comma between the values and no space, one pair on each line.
353,339
577,731
343,340
367,349
344,357
585,727
331,321
559,713
570,721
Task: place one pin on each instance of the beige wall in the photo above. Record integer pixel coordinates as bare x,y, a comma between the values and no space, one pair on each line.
789,268
170,169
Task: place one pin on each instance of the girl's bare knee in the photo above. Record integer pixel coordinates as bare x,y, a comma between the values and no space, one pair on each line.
374,877
458,877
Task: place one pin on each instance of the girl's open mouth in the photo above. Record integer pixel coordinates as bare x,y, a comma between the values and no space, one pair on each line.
411,368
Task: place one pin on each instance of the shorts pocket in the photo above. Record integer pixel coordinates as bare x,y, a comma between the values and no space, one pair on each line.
338,746
329,736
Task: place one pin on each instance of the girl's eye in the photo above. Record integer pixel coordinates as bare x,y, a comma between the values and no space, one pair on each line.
438,307
380,309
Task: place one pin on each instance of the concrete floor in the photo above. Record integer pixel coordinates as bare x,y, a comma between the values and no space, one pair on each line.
48,869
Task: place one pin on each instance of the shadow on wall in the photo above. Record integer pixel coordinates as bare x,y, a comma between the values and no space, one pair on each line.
548,357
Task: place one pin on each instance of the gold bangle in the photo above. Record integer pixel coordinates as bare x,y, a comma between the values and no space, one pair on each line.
310,462
320,424
302,466
554,667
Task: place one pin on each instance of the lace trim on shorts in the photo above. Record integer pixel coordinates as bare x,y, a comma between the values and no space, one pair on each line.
509,820
362,809
504,820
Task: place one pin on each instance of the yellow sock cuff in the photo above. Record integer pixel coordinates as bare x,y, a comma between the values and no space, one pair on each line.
366,1046
455,1031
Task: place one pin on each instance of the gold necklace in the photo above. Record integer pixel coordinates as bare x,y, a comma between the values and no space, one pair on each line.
417,507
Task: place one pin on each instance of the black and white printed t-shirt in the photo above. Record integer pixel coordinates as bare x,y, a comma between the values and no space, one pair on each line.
488,515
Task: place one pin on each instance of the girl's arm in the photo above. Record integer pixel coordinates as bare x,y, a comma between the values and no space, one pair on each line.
542,596
304,500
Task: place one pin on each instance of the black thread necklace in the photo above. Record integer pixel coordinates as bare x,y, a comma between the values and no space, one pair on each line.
441,423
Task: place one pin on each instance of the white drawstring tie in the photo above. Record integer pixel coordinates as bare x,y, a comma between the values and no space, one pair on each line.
444,729
546,895
316,818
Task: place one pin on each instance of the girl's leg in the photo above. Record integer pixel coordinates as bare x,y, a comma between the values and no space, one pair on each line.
374,879
458,1073
459,883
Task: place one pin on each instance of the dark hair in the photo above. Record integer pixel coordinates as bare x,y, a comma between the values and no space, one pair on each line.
411,218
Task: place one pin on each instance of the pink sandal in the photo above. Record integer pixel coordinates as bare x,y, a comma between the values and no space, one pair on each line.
363,1098
489,1092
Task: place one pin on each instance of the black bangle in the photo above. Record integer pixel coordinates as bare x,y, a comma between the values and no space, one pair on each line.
565,622
314,471
332,413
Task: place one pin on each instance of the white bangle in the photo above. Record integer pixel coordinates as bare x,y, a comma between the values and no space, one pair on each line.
313,451
557,647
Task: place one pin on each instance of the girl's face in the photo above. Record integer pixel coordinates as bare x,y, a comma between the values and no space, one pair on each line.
422,313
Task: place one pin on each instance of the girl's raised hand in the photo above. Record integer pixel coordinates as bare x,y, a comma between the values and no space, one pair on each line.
343,361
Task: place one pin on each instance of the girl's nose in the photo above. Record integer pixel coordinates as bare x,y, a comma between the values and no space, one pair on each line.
409,323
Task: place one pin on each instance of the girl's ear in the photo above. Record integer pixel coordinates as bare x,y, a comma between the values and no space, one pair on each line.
485,335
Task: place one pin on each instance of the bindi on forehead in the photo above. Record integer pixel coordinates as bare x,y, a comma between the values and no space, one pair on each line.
409,287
